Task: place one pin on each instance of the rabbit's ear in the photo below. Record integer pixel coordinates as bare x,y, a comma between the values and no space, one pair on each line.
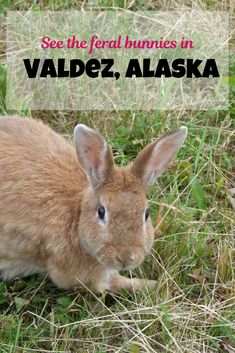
94,154
157,156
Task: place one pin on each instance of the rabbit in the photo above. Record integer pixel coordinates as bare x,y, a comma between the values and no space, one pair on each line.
69,211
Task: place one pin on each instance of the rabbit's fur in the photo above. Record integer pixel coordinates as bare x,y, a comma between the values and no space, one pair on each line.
50,193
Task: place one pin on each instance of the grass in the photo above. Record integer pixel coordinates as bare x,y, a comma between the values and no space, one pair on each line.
193,260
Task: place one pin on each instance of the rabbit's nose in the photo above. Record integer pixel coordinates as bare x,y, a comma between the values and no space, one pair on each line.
131,257
128,260
125,260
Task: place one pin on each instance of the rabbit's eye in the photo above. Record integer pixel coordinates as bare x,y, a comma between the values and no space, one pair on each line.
101,212
146,214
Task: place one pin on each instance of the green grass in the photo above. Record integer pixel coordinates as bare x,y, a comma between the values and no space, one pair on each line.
193,260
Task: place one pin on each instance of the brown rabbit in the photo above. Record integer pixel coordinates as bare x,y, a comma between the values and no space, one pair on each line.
70,212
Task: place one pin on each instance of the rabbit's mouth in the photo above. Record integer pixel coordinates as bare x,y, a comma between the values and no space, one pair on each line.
120,260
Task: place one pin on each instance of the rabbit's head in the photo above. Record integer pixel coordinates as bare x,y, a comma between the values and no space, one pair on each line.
115,225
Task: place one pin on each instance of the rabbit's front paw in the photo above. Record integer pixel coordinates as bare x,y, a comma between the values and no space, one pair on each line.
149,283
118,282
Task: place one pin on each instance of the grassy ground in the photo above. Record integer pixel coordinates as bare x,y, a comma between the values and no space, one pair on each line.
193,260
